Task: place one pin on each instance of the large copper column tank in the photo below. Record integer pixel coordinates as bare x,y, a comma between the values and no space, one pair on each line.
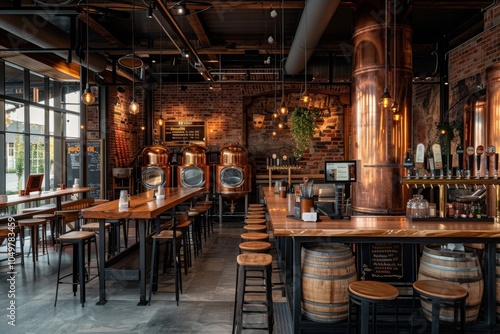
379,141
493,126
155,170
194,171
233,172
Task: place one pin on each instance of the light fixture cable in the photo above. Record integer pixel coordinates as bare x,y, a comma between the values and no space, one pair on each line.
160,121
305,95
283,110
386,99
134,106
395,106
87,97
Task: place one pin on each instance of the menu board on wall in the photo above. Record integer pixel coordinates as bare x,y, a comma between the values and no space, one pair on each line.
94,165
387,262
185,132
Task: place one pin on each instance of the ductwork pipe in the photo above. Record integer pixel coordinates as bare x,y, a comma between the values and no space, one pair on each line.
315,18
34,29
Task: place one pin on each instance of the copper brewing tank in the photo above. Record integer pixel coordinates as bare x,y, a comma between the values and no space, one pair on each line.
155,169
493,131
194,171
234,175
380,142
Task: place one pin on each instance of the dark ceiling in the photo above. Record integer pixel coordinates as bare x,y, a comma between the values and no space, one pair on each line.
228,41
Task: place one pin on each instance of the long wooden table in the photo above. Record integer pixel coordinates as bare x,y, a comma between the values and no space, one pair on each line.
143,207
380,229
44,195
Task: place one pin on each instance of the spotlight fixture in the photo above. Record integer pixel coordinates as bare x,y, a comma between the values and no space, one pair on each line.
273,14
179,8
184,53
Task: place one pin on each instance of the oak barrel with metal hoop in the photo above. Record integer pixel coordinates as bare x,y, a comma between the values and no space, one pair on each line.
327,271
461,267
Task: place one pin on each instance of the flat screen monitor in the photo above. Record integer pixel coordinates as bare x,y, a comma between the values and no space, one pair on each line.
340,171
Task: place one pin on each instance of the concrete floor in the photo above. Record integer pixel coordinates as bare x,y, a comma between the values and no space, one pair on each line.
206,305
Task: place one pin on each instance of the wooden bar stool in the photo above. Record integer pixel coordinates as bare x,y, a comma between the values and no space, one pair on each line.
254,247
254,236
169,236
253,262
195,231
256,205
209,212
256,221
34,225
255,216
6,232
440,300
367,295
81,273
255,228
50,218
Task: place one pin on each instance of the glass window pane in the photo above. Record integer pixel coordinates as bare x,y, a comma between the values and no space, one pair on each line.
37,120
37,154
72,126
14,81
37,92
15,163
14,116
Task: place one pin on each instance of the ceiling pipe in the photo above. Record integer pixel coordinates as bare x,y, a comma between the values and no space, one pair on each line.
162,8
47,36
315,18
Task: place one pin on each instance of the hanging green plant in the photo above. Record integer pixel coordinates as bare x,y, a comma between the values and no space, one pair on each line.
303,124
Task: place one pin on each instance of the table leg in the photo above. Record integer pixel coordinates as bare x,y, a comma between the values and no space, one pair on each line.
142,262
102,263
297,285
174,257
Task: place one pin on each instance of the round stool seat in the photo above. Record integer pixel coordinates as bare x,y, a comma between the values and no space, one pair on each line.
257,216
255,221
94,226
373,290
193,213
255,209
254,259
255,236
255,246
440,289
30,222
76,235
255,228
209,203
46,216
256,205
167,234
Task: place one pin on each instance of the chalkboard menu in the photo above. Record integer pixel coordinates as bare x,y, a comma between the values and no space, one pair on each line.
184,132
387,262
93,169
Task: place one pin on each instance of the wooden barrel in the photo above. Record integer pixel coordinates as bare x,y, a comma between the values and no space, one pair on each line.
327,271
461,267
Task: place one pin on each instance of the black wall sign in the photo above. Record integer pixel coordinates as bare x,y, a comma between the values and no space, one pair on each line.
387,262
185,132
94,165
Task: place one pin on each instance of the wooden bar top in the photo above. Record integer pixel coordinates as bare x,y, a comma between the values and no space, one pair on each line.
42,195
372,226
142,206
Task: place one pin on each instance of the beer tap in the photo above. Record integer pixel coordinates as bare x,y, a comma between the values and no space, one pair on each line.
479,153
438,159
419,159
470,156
495,172
408,162
490,151
460,153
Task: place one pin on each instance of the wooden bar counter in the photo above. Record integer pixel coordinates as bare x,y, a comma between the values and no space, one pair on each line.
143,207
379,229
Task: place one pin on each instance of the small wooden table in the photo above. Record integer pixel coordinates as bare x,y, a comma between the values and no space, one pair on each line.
142,207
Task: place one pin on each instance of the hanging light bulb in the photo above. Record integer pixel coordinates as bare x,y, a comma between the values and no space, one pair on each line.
281,126
160,121
283,110
275,115
305,97
133,108
275,133
386,99
396,115
88,97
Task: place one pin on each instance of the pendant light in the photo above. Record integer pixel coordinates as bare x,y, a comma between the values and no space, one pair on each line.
134,106
305,96
396,115
386,99
283,110
87,97
160,120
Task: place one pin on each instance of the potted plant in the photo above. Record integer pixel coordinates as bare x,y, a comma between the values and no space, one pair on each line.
303,124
